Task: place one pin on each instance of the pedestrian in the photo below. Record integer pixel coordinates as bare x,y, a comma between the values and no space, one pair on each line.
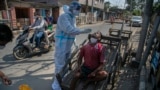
112,19
93,57
66,31
6,36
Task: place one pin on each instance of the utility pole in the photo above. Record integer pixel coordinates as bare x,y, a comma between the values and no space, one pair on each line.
92,12
86,11
146,19
131,14
6,6
8,15
150,41
86,7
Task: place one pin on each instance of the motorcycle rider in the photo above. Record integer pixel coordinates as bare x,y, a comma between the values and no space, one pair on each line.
39,27
66,31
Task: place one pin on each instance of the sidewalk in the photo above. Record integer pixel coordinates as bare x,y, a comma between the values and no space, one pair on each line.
129,78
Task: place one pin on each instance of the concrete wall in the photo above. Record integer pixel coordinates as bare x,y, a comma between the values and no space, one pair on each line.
96,3
31,14
13,17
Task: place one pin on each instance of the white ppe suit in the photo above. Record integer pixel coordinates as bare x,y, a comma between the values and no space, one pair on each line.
64,38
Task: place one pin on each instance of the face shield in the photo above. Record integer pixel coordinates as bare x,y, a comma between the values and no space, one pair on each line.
75,8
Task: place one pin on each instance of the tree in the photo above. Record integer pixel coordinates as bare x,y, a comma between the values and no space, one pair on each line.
156,7
136,12
106,6
131,4
114,8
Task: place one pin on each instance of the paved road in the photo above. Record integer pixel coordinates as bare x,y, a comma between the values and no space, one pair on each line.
38,71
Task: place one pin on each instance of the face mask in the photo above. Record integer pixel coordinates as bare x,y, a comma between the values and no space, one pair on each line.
37,17
93,40
76,12
1,47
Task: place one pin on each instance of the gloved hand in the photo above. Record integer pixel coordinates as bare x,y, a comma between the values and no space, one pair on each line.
86,30
34,28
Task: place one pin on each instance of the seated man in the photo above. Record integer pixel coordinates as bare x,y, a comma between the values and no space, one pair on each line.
6,36
94,60
39,27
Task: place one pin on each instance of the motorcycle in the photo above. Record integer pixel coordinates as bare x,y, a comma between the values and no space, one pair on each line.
24,48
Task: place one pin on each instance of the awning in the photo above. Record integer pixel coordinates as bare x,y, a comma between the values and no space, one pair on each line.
16,3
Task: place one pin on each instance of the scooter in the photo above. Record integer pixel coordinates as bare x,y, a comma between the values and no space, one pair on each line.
24,48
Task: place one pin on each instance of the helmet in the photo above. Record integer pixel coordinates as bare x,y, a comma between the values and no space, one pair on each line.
74,5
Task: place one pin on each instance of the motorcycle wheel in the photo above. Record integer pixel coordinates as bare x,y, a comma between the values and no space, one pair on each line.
20,52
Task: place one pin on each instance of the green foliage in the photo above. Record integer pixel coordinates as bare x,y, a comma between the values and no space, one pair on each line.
127,13
156,7
114,8
136,12
131,4
106,5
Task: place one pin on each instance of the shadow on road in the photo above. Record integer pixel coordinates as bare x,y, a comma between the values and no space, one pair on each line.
35,82
38,74
127,25
8,58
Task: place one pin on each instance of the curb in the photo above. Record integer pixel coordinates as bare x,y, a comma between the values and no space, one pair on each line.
142,84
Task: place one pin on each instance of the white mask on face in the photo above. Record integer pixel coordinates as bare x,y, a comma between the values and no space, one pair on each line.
76,12
93,40
1,47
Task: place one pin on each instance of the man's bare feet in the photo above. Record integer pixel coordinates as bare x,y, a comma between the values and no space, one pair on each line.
6,81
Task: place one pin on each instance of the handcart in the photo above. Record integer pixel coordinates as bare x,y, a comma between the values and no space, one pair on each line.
112,53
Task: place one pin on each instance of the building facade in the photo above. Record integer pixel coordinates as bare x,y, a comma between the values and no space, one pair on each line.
92,10
21,12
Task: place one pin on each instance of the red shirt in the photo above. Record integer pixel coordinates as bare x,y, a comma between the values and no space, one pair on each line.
93,55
